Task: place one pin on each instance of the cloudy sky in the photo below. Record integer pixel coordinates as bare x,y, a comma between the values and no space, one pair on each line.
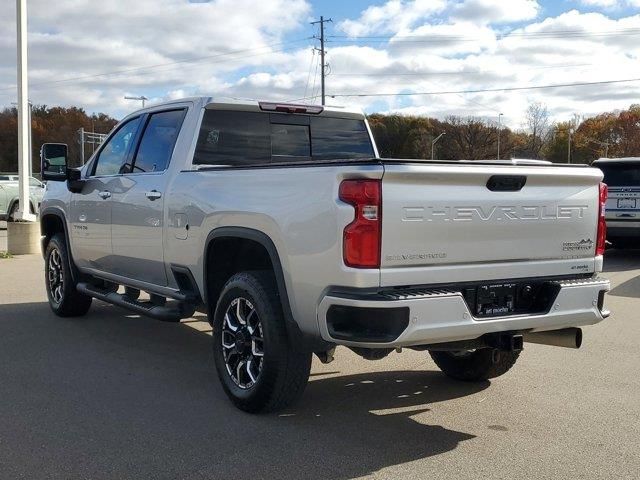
91,54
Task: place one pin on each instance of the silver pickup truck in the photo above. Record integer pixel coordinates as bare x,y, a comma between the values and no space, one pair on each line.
285,226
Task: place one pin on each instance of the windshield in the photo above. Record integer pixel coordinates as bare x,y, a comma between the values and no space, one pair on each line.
621,175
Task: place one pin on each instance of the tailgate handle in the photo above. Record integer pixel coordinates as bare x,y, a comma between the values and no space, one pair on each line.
506,183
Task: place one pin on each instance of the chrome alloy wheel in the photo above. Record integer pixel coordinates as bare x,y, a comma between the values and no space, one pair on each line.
242,343
55,275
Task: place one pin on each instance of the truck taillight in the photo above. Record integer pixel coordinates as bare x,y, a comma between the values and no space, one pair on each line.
602,224
362,237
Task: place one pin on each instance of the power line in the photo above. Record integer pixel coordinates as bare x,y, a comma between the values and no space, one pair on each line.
313,56
178,62
315,78
453,72
440,38
483,90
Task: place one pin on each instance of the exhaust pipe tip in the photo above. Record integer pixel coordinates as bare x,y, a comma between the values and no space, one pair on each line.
578,337
566,337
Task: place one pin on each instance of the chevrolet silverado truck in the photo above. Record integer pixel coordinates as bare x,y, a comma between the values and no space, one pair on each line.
282,222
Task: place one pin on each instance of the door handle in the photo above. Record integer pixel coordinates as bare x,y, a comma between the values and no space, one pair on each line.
153,195
104,194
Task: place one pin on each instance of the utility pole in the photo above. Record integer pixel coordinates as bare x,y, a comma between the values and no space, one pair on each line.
81,132
23,115
323,65
569,147
499,128
433,144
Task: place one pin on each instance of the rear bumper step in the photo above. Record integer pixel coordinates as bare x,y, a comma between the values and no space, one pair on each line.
428,316
166,313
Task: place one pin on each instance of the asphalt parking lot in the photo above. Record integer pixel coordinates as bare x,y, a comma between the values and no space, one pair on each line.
116,396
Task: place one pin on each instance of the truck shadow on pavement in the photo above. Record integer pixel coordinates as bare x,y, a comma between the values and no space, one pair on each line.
617,260
629,289
109,396
620,261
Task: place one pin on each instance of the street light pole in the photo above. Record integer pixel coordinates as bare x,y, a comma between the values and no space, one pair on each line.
141,98
30,141
569,147
23,114
499,128
433,144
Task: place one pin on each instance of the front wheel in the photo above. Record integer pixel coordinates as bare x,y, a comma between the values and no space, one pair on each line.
474,365
13,214
258,369
64,299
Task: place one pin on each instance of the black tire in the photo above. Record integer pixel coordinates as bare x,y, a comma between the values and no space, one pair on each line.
14,211
475,365
280,373
64,299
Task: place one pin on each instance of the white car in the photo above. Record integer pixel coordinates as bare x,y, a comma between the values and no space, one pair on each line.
9,195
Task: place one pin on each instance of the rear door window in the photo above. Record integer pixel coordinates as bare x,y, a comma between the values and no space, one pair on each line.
158,140
233,138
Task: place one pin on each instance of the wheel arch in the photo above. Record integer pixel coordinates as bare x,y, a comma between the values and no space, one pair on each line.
52,221
235,235
15,200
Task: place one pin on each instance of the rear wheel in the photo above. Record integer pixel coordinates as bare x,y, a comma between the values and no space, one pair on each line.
474,365
64,299
257,367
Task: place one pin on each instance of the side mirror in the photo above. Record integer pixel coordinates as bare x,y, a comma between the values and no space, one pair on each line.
53,162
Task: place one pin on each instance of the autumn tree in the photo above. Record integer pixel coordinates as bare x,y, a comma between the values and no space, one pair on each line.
537,125
48,124
402,136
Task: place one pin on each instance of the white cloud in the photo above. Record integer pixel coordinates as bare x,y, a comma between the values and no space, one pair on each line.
601,3
394,16
81,38
496,11
433,46
610,4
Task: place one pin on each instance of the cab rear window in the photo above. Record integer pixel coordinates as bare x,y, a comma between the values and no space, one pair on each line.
252,138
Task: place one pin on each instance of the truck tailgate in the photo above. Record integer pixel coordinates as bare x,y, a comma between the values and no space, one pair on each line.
466,222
